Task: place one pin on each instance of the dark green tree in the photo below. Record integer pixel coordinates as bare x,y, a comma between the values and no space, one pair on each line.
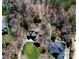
34,1
67,6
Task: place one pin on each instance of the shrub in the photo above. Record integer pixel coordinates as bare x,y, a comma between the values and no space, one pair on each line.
67,6
53,38
36,19
34,1
24,24
5,10
71,19
73,2
56,3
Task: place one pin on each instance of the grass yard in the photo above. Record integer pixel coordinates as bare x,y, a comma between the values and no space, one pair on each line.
31,51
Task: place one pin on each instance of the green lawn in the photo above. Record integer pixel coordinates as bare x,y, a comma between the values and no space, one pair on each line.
31,51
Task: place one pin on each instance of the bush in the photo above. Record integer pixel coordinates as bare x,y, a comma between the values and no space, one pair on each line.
46,1
41,1
67,6
36,19
5,10
14,56
73,2
56,3
24,24
72,22
71,19
53,38
34,1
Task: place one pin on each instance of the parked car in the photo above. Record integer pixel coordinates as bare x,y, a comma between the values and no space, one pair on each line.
4,25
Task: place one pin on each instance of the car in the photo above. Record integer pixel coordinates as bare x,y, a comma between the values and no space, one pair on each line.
4,25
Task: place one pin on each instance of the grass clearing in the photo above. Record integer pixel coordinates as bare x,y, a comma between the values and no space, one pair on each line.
31,51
